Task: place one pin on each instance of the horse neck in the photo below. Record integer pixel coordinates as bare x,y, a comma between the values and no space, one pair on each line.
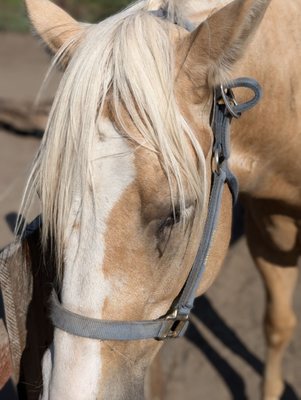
259,135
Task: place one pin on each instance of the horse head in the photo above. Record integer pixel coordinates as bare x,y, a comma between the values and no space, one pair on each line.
124,175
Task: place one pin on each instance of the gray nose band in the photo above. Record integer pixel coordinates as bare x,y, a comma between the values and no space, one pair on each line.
175,323
91,328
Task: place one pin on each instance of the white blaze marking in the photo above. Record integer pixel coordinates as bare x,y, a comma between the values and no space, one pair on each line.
77,361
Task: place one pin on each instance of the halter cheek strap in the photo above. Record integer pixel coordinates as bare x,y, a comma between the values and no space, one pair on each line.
175,323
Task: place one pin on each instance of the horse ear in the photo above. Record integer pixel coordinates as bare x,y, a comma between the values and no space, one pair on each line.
52,24
220,41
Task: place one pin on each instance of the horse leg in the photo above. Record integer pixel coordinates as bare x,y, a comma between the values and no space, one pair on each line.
273,242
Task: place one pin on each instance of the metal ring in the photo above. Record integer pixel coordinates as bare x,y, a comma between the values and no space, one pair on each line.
216,162
227,102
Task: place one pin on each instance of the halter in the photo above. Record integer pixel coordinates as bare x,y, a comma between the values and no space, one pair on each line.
175,322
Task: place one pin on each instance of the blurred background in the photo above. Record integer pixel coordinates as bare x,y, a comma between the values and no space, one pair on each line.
12,15
222,356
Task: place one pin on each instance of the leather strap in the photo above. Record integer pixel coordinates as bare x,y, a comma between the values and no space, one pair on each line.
162,13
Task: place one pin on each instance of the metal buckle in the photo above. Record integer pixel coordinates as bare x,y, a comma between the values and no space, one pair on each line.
177,324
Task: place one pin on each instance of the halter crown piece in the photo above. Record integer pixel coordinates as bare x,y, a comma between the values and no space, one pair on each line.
175,322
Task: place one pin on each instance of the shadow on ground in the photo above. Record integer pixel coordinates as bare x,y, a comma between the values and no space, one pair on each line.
205,313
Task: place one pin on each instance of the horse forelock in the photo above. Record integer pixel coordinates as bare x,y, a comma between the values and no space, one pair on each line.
125,62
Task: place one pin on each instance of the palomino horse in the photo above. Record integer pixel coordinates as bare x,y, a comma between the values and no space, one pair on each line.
124,173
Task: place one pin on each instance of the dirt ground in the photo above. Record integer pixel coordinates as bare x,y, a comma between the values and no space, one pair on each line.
222,356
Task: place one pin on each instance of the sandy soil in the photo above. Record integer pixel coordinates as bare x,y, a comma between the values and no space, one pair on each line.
222,356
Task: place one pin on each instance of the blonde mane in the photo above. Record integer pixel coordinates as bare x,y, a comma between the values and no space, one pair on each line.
129,59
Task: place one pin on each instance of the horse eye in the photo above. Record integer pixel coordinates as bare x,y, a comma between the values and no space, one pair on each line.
173,219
